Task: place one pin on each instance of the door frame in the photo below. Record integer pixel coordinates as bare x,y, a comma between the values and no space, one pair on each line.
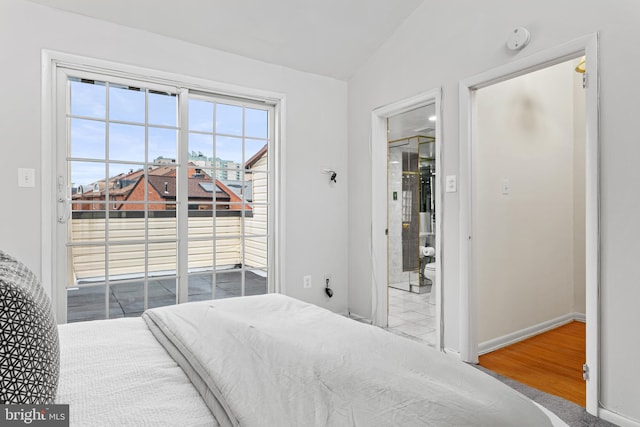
587,45
51,61
379,205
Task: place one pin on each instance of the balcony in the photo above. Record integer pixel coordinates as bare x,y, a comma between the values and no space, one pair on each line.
142,247
127,299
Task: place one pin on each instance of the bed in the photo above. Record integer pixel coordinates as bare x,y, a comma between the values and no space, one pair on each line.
270,360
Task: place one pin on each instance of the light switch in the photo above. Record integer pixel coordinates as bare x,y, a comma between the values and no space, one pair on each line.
26,177
451,183
506,186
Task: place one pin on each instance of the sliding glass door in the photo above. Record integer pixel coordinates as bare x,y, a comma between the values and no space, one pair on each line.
164,195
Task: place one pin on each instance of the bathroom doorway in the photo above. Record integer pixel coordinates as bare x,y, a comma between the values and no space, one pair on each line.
530,198
381,251
412,223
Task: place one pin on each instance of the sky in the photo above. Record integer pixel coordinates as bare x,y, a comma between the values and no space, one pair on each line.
126,141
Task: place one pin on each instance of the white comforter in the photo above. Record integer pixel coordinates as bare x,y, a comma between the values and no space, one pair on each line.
271,360
114,373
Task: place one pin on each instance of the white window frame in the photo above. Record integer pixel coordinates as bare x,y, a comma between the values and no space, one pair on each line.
52,62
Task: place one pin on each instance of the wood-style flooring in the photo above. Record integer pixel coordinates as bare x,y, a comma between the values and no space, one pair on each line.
550,362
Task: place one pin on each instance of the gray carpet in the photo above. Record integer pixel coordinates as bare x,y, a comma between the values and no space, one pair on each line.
569,412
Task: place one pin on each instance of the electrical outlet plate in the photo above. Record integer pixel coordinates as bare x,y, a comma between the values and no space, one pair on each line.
306,281
26,177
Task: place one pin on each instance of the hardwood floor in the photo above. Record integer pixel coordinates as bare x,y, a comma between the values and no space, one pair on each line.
550,362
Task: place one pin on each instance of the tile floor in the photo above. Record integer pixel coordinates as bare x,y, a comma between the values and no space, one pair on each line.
411,316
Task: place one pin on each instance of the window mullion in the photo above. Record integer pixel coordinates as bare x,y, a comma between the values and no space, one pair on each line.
145,283
214,243
182,197
243,239
273,164
107,252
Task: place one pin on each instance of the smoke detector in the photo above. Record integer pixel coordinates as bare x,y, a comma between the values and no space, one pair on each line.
519,38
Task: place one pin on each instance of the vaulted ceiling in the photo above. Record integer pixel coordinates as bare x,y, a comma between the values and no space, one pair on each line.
327,37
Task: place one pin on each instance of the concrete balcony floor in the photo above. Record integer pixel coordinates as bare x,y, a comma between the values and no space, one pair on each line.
127,300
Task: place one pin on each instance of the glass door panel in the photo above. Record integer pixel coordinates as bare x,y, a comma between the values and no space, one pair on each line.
120,158
136,162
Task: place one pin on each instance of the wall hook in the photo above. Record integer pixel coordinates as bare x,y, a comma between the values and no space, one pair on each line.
332,174
327,289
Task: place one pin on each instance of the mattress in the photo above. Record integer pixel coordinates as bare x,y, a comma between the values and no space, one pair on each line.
115,373
271,361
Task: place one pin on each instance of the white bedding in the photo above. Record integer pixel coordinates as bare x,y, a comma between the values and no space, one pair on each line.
115,373
275,361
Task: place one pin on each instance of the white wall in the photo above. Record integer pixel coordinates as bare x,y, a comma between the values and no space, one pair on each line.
316,213
523,251
445,42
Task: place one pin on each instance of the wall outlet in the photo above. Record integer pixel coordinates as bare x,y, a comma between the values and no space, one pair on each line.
306,281
26,177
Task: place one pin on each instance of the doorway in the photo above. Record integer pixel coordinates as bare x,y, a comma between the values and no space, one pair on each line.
125,236
544,316
380,196
411,223
528,208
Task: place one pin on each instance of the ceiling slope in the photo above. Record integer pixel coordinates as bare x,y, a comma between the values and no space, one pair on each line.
327,37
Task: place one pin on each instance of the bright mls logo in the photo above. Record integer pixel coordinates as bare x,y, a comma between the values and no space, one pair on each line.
34,415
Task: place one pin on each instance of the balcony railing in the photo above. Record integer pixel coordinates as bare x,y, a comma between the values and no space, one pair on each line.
131,236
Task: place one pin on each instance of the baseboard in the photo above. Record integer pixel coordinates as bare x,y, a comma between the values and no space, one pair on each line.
617,419
580,317
514,337
452,352
359,318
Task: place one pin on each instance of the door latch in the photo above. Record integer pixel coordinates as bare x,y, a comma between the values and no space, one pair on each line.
585,372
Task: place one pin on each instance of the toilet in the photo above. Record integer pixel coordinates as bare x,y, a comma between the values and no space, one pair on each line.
429,270
430,273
